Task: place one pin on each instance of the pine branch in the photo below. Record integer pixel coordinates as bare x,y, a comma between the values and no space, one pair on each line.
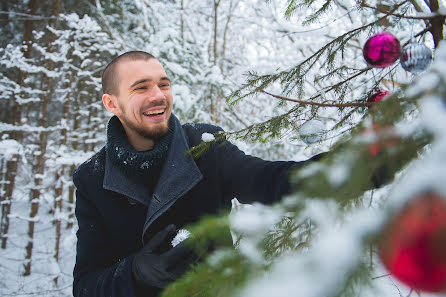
305,102
284,238
294,78
314,16
403,16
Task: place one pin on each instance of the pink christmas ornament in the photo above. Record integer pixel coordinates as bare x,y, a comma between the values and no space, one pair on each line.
378,95
381,50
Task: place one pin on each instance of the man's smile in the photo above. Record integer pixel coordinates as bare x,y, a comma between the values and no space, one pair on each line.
156,113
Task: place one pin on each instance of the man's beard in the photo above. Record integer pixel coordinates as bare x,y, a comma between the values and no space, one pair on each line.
153,133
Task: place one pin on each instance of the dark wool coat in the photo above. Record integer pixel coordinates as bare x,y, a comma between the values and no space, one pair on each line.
116,215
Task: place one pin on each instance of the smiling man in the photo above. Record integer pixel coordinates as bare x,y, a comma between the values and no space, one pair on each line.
144,121
141,187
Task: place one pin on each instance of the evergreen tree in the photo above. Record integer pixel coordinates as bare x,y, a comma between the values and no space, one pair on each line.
333,234
52,120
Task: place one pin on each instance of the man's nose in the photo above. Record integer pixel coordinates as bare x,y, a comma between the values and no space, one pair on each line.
156,93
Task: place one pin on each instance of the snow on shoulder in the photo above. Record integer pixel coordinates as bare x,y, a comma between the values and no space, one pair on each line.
207,137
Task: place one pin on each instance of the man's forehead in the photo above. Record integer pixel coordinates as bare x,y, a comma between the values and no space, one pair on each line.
129,70
150,65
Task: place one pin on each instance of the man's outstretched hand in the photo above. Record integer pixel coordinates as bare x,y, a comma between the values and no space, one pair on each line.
158,265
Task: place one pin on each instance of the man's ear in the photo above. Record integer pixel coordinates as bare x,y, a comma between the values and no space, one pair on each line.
111,104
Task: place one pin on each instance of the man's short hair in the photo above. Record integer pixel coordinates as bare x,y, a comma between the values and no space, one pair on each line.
109,76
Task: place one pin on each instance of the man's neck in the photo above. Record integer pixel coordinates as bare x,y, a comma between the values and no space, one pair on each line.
139,143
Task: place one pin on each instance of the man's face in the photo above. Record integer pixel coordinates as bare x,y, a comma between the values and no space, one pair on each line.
145,98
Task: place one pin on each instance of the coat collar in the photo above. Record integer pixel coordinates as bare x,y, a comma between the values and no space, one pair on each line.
178,175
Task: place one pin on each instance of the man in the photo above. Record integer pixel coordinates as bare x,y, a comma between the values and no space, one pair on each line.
142,186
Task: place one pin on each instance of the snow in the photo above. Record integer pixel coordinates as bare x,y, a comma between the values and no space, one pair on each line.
426,173
338,174
181,235
254,219
207,137
336,248
248,222
9,148
322,269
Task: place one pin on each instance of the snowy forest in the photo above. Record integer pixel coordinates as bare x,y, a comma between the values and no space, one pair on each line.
285,79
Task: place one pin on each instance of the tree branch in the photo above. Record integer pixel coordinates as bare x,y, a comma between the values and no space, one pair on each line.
315,56
306,102
398,15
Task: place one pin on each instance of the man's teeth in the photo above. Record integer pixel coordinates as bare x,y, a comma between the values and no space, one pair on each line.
152,112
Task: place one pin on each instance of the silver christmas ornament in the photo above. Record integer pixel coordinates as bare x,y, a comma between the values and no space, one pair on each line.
415,57
312,131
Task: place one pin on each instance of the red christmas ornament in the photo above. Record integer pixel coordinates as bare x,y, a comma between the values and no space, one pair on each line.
378,96
381,50
414,244
386,138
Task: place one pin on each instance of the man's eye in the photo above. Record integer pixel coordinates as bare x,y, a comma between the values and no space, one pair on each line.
164,85
141,88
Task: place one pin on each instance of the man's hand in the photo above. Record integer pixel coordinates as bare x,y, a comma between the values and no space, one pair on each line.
156,267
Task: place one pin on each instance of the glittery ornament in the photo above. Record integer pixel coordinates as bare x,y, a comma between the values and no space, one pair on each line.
380,94
415,57
413,246
381,50
312,131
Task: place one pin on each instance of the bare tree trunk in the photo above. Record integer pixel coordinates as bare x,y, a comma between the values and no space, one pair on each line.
17,109
58,191
70,208
228,20
38,170
58,203
182,23
213,100
437,23
216,4
9,171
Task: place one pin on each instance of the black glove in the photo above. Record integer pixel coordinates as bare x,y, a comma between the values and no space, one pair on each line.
156,265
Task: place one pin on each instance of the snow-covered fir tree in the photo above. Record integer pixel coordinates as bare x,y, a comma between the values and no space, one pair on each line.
260,69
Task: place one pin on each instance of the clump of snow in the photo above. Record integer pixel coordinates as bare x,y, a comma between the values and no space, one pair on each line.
207,137
255,219
9,148
338,174
182,235
249,223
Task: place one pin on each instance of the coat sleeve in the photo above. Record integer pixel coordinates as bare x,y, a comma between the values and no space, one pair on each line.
251,179
96,272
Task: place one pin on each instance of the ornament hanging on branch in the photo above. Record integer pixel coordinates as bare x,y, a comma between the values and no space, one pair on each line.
378,96
385,137
413,246
381,50
415,57
312,131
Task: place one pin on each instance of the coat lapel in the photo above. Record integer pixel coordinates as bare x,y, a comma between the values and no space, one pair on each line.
115,180
178,175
